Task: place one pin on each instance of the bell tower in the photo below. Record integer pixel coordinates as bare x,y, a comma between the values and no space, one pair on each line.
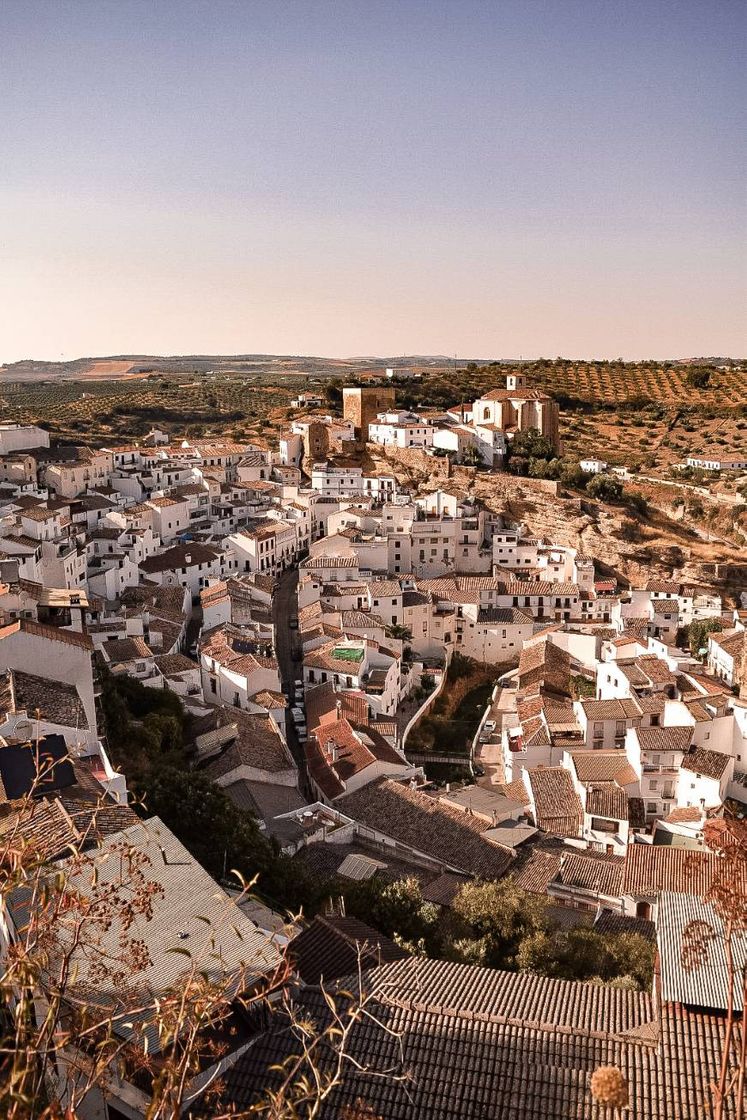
515,381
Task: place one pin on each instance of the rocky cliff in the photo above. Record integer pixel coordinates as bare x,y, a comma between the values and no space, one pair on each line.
635,548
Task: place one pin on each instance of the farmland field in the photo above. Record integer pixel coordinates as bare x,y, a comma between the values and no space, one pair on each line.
643,414
98,411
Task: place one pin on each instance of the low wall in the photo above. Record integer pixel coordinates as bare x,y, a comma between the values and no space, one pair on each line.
426,703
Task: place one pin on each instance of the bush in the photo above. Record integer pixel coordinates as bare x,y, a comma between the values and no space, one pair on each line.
626,960
698,378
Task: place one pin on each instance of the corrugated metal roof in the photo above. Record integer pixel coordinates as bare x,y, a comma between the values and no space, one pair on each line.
689,976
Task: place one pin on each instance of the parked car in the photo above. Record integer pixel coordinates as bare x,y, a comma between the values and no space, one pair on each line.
298,686
298,717
489,726
293,624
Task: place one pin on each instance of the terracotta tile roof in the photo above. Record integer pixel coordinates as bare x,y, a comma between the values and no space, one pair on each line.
467,1042
663,587
537,872
516,791
334,947
52,633
557,806
42,828
176,557
22,540
708,685
173,664
652,868
385,588
656,670
424,823
711,764
258,744
611,709
541,587
347,751
516,395
664,738
231,647
443,889
39,513
547,663
360,620
651,705
611,923
269,699
506,616
698,711
603,766
730,641
214,593
118,650
320,772
685,815
162,502
57,702
593,871
313,562
607,800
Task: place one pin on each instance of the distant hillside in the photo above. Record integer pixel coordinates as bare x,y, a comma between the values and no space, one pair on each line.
121,367
118,367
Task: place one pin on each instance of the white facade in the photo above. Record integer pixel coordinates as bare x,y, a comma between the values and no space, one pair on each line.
21,437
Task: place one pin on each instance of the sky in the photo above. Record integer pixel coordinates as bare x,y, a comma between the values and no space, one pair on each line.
501,179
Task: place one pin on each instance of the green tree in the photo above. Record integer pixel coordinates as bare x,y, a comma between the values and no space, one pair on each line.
403,633
207,822
572,475
524,447
333,393
396,909
502,915
605,488
697,634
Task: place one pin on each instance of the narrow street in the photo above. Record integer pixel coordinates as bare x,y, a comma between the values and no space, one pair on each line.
284,608
490,755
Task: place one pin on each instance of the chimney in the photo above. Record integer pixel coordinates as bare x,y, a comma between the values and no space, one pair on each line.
188,558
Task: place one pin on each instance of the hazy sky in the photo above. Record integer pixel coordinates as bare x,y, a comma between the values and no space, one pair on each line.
487,179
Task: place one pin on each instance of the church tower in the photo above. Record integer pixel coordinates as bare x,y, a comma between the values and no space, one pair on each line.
515,382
